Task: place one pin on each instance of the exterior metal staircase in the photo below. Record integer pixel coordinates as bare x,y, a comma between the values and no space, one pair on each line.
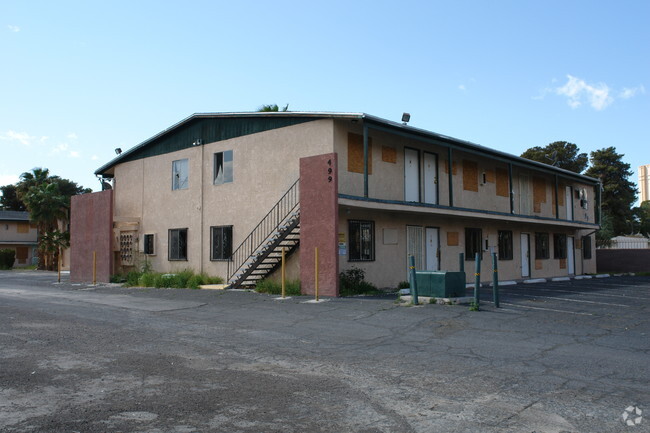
261,252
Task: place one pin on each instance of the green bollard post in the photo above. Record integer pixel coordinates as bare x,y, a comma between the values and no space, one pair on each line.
461,262
477,283
495,281
412,280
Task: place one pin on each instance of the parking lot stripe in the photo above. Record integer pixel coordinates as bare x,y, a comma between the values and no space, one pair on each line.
545,309
567,299
582,293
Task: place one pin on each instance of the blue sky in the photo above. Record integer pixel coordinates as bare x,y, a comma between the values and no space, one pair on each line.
80,78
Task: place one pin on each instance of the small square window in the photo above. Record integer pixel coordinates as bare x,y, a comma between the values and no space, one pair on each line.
362,240
221,243
505,245
541,246
473,243
178,244
223,167
180,174
149,245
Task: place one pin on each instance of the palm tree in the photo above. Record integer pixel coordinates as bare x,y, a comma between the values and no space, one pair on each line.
272,107
38,176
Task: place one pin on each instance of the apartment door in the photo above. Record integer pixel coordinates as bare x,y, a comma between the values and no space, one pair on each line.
525,255
432,248
411,175
525,196
415,246
568,202
570,256
430,178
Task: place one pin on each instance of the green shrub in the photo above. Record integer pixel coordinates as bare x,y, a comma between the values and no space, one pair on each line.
403,285
7,258
185,279
352,282
292,287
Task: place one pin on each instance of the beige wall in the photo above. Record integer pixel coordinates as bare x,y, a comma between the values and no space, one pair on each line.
265,165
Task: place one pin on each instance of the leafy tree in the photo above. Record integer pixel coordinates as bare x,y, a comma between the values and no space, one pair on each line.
273,107
561,154
618,192
9,199
642,214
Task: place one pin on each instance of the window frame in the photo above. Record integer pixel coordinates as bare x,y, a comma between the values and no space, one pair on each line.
228,255
586,248
149,244
560,249
506,244
357,254
542,248
223,157
181,257
473,243
177,166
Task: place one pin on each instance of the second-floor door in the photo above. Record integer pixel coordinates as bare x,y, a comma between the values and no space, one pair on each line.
430,178
411,175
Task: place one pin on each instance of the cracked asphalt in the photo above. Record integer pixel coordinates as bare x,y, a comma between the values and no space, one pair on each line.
557,357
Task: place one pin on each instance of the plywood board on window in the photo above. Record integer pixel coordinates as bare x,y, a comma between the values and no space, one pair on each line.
452,239
470,175
578,243
23,227
539,193
562,263
539,265
560,195
489,176
21,254
453,167
388,154
503,182
355,153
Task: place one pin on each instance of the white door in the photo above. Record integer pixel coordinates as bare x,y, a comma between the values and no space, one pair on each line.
525,255
568,202
430,178
570,255
433,249
411,175
415,246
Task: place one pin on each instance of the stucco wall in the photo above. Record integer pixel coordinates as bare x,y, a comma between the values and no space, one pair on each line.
91,230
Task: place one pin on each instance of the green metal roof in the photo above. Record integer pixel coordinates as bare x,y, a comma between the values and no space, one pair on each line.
211,127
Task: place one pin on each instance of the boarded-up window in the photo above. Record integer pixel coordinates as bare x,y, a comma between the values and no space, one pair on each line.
489,176
539,193
355,153
388,154
539,265
470,175
23,227
21,254
453,167
452,239
503,182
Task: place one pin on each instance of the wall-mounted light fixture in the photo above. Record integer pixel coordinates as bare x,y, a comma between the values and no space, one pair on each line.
118,150
406,117
197,142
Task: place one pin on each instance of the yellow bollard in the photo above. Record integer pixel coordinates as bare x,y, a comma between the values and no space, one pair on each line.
283,276
94,268
316,269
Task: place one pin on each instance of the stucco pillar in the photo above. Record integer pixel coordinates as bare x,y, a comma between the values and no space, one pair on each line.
319,223
91,229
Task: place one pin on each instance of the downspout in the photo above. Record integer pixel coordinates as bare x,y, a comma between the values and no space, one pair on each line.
201,212
557,201
512,190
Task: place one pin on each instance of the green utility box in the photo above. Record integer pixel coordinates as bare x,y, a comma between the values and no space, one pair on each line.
440,284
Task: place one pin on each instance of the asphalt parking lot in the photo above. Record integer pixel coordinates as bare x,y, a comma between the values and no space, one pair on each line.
570,356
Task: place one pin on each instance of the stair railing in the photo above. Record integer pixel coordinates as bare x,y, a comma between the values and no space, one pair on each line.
279,214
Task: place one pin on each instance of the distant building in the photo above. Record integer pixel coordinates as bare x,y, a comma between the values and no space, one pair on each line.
18,234
644,182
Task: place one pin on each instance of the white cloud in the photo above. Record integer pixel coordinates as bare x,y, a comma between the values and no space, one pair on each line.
14,29
8,179
94,158
578,91
22,137
627,93
462,87
72,136
73,154
62,147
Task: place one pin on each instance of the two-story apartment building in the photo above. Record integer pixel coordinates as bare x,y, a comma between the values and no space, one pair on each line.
221,193
18,234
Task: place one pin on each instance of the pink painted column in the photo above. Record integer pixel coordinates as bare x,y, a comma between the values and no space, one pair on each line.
319,224
91,229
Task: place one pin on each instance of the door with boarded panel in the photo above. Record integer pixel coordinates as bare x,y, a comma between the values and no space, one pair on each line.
430,178
21,255
415,246
432,248
411,175
570,255
525,255
525,199
568,200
